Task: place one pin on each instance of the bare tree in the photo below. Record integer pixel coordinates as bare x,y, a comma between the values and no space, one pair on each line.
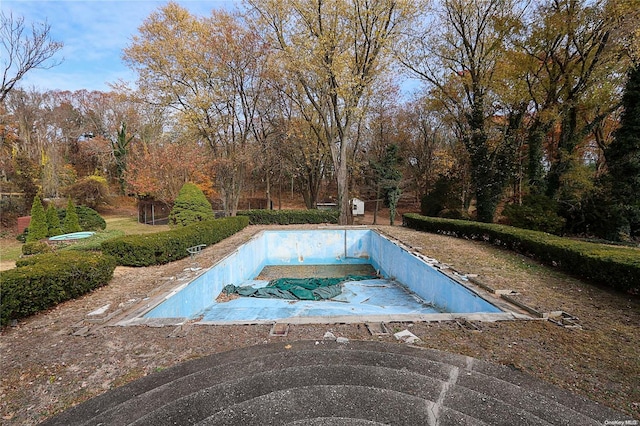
22,52
334,51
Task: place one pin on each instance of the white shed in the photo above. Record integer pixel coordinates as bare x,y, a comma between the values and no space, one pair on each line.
357,207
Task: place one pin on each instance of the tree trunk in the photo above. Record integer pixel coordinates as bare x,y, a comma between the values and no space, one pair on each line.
342,176
563,163
268,191
535,171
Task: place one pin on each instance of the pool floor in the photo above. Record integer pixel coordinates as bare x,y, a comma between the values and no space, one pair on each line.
367,297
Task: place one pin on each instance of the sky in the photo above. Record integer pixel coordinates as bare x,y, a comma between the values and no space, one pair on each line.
94,33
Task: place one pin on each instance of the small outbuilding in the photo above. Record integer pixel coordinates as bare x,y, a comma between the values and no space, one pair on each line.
357,207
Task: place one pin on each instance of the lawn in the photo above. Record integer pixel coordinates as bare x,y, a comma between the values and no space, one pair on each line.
117,225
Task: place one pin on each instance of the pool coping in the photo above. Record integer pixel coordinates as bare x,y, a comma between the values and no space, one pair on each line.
499,298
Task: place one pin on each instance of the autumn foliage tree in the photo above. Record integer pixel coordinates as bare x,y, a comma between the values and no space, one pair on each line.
459,56
158,170
208,71
91,191
333,51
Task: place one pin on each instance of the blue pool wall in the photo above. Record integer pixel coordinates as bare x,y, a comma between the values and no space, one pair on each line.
423,279
334,246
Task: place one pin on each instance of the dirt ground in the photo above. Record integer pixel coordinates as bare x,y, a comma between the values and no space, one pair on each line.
46,368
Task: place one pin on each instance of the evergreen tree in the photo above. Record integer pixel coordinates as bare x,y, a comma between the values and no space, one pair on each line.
38,224
388,177
190,206
71,221
53,222
121,147
623,157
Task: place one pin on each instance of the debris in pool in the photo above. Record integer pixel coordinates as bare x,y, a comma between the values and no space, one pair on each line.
226,297
296,288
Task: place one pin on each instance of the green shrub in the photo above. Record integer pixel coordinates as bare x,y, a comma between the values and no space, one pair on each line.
36,247
617,267
90,191
71,222
53,222
443,198
190,206
290,217
599,216
38,225
455,214
537,212
23,237
94,242
164,247
88,218
42,281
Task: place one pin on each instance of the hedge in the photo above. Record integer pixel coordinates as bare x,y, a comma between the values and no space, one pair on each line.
165,247
289,217
617,267
36,247
88,218
42,281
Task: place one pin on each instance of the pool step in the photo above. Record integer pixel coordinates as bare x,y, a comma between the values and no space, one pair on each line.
324,382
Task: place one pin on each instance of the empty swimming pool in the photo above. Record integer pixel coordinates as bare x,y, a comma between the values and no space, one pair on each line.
405,286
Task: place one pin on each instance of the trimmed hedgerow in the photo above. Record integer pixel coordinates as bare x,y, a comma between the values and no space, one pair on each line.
35,247
617,267
165,247
42,281
290,217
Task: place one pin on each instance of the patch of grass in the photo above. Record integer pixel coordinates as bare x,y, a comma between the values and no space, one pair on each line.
117,226
93,243
130,225
10,249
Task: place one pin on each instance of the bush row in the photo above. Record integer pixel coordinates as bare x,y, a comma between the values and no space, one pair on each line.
42,281
165,247
617,267
290,217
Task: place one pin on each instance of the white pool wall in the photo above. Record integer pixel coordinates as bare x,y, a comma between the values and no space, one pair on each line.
309,247
331,246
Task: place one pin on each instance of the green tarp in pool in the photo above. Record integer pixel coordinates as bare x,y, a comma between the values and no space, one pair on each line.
297,288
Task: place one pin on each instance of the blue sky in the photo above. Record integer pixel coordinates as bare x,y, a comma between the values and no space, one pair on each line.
94,32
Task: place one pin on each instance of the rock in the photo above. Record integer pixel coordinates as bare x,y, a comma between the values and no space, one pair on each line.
329,336
342,340
406,336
